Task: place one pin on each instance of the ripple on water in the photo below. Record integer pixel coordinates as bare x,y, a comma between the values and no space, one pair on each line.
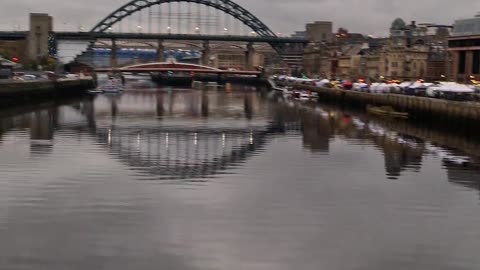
214,180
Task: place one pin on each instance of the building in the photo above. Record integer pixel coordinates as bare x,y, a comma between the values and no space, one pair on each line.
316,61
406,53
464,46
320,31
40,27
300,34
13,49
343,37
437,64
348,61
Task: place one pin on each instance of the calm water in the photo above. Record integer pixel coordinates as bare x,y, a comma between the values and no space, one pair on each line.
180,179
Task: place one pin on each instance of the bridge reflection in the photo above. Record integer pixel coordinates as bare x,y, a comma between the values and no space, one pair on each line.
190,135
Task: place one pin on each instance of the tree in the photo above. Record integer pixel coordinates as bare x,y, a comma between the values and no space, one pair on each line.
5,54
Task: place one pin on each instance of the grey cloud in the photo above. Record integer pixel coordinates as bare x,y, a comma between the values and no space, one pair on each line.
285,16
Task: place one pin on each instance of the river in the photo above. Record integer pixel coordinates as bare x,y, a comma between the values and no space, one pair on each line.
232,179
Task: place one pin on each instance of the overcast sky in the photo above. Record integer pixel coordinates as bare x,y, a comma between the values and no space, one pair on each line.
284,16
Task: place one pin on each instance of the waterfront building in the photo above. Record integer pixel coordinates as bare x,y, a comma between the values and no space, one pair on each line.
13,49
320,31
40,27
344,37
464,46
406,53
32,45
316,60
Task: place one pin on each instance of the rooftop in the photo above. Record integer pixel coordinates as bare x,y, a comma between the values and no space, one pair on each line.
467,27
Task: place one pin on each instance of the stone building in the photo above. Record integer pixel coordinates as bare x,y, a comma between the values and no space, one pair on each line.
406,53
316,61
437,64
320,32
40,27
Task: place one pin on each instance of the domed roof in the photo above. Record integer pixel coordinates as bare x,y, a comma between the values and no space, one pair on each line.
398,24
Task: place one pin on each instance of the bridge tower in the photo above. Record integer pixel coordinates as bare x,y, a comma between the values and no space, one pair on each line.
249,56
113,54
206,53
40,27
160,51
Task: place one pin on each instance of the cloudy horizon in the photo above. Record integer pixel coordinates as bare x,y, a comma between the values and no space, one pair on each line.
370,17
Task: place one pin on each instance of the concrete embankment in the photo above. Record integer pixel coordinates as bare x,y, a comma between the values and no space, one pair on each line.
27,90
416,106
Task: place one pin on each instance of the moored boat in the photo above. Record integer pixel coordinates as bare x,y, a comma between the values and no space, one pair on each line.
386,111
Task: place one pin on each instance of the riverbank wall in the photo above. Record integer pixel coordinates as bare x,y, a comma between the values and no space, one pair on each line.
14,92
418,107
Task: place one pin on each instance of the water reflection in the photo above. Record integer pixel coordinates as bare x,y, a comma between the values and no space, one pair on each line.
189,151
223,179
401,151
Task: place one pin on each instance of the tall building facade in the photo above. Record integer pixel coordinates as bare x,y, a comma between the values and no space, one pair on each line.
406,53
464,46
40,27
320,31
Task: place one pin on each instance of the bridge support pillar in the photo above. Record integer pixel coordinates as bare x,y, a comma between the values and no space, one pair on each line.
249,56
160,51
205,54
113,55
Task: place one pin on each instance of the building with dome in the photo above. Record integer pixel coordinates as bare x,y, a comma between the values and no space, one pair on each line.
406,53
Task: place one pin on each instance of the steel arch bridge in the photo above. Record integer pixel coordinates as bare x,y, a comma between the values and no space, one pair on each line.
78,46
227,6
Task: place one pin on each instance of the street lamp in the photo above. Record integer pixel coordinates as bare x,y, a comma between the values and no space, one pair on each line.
139,28
225,30
197,30
169,29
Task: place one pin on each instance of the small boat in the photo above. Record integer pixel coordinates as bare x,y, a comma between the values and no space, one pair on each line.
386,111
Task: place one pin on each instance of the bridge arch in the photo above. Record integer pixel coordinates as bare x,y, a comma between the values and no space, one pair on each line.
226,46
227,6
192,45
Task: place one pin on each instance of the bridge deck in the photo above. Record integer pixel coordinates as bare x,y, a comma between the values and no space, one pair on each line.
198,71
148,36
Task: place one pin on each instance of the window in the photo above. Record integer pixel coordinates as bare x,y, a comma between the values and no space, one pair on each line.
476,62
324,36
461,62
394,64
